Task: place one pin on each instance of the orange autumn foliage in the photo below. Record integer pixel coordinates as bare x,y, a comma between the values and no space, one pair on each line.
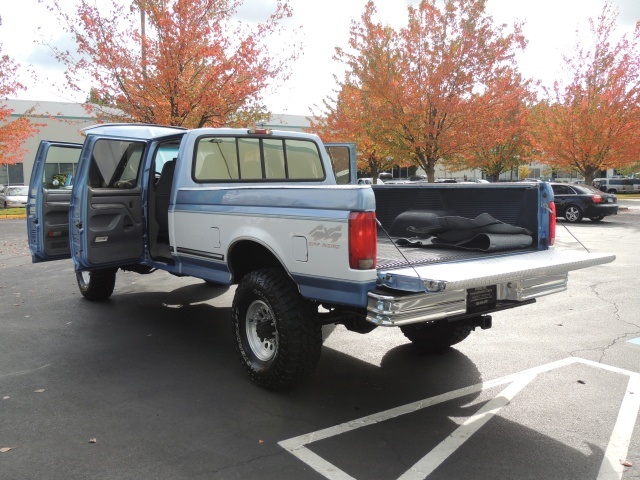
442,87
592,122
173,62
13,133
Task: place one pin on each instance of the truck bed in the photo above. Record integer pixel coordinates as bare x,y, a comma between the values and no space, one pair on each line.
516,204
393,256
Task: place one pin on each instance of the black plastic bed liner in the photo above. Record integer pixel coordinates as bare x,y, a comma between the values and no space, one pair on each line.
393,256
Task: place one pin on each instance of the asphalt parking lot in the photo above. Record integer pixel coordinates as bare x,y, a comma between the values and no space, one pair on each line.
147,385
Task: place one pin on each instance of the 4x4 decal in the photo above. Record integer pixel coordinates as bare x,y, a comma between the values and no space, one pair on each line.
322,234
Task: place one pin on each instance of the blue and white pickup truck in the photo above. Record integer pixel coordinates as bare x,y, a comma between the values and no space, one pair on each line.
281,215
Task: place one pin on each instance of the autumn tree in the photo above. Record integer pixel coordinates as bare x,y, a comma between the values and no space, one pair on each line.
343,121
174,62
13,132
495,155
440,83
355,114
592,121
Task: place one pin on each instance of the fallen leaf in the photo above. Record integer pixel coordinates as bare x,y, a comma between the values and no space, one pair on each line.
261,441
581,382
5,449
6,398
93,440
626,463
40,390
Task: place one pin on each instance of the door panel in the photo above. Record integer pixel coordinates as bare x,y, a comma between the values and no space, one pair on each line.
106,210
115,232
55,223
49,200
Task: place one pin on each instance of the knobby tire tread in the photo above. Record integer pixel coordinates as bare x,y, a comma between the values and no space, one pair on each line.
299,336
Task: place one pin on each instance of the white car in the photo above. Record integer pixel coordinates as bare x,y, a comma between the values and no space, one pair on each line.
14,196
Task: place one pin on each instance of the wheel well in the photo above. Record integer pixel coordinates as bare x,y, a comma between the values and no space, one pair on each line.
246,256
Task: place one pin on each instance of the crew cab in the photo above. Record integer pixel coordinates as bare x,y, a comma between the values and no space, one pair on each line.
280,215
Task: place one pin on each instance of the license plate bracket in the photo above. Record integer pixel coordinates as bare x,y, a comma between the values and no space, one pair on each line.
481,298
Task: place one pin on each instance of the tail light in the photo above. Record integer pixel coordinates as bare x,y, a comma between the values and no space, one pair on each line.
596,198
363,237
552,223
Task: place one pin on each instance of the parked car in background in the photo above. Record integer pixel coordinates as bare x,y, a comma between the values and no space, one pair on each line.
14,196
446,180
615,184
575,202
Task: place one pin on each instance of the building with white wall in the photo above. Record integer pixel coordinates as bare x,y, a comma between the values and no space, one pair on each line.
64,121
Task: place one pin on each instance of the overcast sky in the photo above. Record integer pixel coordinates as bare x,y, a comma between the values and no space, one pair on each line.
550,27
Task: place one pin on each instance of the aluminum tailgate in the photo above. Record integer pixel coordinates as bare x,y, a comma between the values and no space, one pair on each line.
492,270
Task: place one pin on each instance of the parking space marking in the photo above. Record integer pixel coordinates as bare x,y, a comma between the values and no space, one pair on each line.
449,445
611,468
635,340
24,372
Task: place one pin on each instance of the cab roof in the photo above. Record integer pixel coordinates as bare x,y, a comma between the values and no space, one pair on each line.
133,130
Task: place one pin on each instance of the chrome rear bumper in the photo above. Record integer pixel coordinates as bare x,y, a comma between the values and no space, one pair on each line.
396,310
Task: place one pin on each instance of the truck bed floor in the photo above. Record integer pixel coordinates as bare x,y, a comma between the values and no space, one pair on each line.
390,256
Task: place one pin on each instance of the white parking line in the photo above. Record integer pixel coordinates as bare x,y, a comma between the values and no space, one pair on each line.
611,468
435,457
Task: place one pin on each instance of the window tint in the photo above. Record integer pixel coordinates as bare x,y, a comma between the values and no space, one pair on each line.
216,159
115,164
303,160
60,165
233,158
274,159
166,151
339,156
250,162
562,190
587,189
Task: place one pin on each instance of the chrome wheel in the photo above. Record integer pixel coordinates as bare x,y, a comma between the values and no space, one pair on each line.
262,335
573,214
277,334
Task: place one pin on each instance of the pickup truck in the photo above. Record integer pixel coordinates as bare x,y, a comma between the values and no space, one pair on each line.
280,215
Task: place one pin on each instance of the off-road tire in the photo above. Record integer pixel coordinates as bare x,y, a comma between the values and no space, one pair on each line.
277,336
436,337
97,284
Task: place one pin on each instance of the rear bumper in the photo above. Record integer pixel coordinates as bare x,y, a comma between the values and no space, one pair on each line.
15,203
397,310
601,209
447,290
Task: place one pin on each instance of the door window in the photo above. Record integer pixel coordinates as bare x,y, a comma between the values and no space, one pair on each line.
60,166
115,164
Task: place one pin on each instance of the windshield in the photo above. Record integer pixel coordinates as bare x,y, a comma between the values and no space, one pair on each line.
17,190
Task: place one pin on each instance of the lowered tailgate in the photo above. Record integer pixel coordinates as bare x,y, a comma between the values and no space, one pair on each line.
412,294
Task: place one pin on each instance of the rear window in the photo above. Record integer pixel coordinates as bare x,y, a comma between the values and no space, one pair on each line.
587,189
256,159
